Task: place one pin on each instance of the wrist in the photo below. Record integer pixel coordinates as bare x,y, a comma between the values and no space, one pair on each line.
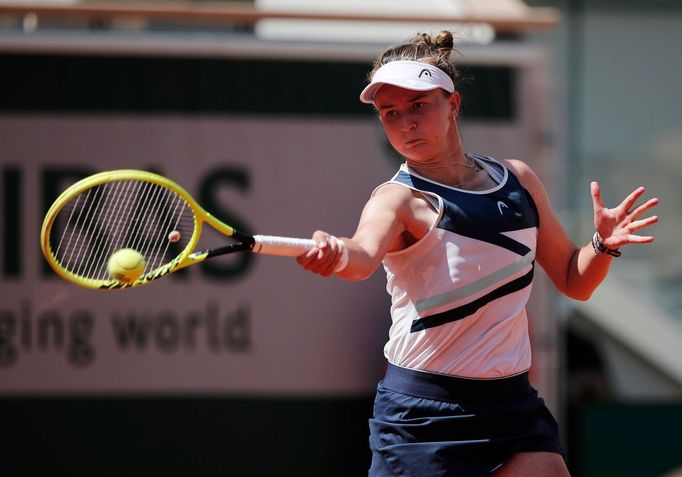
600,247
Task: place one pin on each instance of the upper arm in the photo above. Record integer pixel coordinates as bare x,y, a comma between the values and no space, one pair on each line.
382,225
555,250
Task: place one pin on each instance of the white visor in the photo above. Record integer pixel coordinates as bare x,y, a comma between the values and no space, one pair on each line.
413,75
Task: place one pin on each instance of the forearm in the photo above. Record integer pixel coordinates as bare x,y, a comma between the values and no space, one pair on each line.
586,272
360,264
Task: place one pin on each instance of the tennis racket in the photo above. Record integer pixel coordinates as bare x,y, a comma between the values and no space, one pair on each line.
150,214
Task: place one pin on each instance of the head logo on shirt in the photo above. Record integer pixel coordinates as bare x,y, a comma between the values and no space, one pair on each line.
501,204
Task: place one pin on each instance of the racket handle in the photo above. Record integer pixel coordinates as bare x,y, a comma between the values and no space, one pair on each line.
283,246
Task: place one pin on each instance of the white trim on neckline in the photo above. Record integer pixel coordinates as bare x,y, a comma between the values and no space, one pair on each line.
480,160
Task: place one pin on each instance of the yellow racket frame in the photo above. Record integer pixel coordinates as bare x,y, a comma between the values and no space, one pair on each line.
183,260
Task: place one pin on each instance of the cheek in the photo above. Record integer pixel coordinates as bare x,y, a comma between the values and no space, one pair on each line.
442,126
394,137
391,131
395,142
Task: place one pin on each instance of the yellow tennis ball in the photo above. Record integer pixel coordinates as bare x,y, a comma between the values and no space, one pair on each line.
126,265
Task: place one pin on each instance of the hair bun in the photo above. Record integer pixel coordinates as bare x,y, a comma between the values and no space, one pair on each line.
445,41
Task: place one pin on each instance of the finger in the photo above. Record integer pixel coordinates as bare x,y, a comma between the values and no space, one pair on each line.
644,207
330,248
309,265
596,196
629,201
327,265
322,246
640,224
311,255
335,244
639,239
325,255
306,259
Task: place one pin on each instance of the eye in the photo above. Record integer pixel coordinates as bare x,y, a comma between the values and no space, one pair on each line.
391,114
418,105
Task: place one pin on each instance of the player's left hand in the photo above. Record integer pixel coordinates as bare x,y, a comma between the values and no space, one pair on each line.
617,226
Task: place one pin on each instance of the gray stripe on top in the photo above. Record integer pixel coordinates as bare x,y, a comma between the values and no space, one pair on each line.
476,286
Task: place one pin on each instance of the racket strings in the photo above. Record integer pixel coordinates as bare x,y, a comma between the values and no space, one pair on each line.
120,214
172,221
92,233
140,233
115,217
101,240
77,237
159,212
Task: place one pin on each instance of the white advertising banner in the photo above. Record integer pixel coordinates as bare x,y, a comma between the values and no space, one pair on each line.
242,324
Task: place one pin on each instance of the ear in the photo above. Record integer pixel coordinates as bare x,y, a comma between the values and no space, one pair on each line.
455,101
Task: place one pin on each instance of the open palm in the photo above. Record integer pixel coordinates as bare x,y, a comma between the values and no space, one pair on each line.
617,226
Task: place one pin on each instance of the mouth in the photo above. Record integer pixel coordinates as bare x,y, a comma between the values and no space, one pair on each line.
412,142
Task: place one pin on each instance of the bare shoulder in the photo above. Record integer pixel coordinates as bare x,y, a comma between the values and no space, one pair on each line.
520,169
392,189
392,195
408,204
526,175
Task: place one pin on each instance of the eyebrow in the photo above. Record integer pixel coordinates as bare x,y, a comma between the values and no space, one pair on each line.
411,100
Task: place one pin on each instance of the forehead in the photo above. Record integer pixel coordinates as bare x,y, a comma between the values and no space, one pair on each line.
389,94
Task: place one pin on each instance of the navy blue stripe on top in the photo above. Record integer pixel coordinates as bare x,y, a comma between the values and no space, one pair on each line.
472,307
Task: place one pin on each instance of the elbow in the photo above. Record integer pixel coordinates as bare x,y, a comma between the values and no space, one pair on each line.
574,292
579,295
582,296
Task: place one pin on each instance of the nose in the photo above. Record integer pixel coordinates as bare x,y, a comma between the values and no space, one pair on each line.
408,124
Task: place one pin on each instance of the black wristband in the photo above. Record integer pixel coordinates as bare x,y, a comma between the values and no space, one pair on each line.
600,247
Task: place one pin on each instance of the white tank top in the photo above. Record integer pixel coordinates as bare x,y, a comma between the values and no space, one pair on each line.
459,293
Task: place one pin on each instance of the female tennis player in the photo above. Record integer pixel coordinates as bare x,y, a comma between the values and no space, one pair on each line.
458,235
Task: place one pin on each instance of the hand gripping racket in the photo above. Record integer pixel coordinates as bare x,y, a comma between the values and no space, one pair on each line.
131,209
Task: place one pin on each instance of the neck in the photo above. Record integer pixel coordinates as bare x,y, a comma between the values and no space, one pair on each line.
453,168
448,166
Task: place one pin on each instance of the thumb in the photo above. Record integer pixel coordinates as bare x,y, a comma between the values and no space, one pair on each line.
596,196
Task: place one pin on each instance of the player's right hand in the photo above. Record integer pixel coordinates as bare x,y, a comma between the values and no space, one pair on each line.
325,257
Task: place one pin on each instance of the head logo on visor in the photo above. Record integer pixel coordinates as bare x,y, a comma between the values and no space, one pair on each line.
413,75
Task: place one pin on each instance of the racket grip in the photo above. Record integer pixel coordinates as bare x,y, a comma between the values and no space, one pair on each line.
283,246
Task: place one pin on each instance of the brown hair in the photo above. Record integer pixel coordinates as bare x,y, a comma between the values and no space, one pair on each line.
423,48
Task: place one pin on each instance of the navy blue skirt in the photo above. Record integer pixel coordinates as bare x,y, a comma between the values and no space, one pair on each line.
432,425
